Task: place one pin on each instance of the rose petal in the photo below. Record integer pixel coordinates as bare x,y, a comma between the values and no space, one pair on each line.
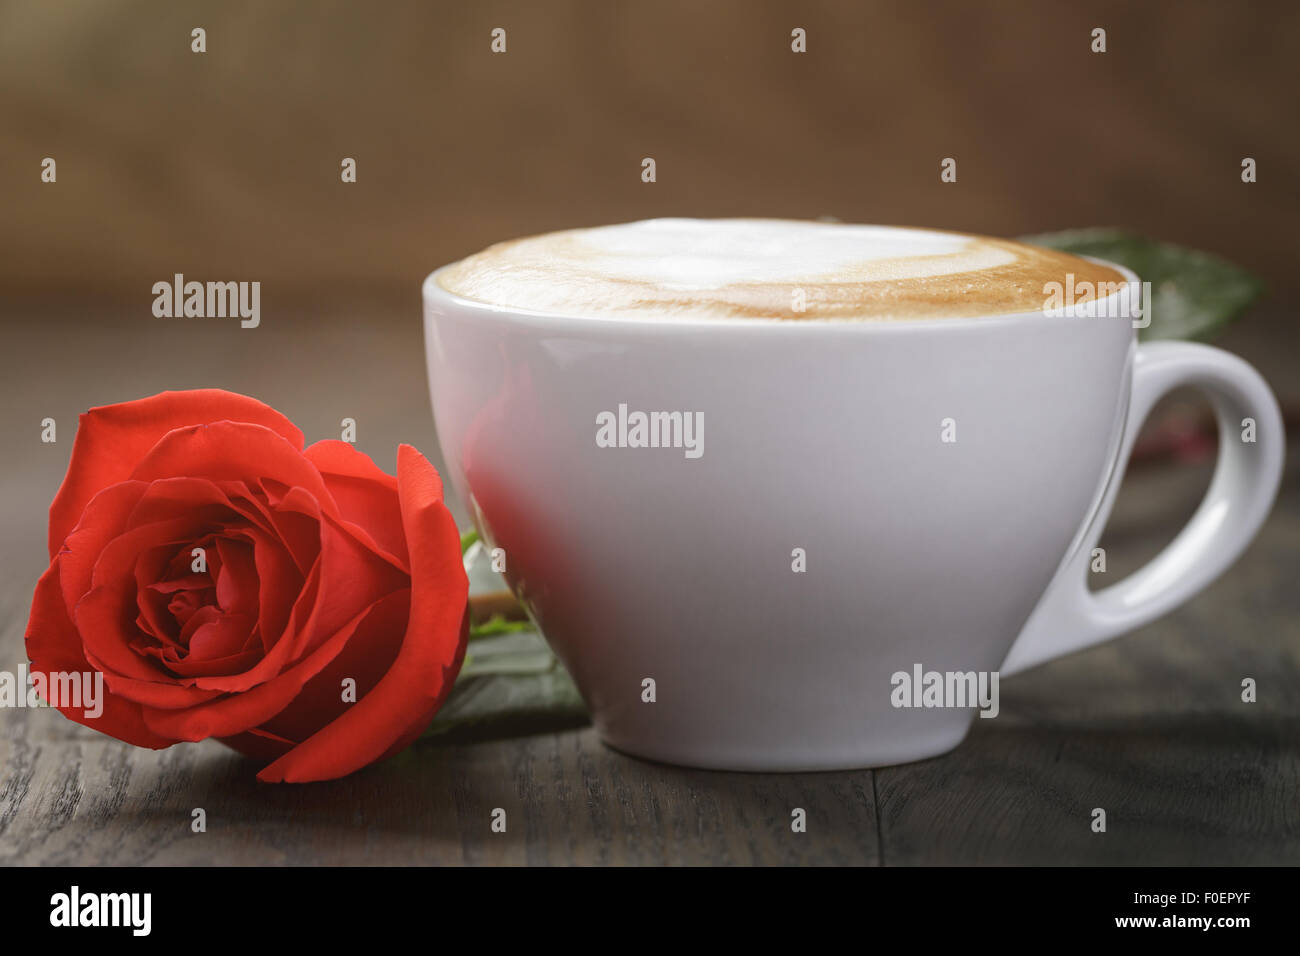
365,659
185,604
236,713
177,694
168,498
258,744
295,517
111,439
105,615
209,614
104,519
220,638
174,497
236,663
366,495
226,451
280,586
236,580
405,700
53,645
349,578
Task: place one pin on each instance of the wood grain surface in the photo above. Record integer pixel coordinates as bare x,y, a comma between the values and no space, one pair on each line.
1151,728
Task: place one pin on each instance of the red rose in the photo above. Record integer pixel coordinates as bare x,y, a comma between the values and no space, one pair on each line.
316,567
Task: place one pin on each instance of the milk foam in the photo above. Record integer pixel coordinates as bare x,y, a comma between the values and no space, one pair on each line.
702,268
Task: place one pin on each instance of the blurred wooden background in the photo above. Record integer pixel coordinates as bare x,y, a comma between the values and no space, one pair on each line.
226,164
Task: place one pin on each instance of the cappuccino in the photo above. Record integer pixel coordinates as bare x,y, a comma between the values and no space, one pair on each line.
770,268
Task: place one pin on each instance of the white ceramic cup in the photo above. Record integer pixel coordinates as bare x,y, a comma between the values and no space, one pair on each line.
644,564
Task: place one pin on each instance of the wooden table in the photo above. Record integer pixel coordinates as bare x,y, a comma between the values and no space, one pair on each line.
1151,727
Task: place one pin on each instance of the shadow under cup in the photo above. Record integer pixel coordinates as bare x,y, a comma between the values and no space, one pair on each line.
855,501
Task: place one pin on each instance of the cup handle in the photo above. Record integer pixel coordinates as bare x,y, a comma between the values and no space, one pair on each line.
1069,617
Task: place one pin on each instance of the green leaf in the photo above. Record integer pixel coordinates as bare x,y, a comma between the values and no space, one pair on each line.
1193,294
467,540
497,625
511,685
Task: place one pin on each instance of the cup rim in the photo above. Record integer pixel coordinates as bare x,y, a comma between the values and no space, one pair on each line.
433,291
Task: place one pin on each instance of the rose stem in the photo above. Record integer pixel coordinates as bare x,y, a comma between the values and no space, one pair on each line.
484,607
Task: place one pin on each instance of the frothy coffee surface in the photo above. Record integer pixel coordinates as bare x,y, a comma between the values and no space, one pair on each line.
766,268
